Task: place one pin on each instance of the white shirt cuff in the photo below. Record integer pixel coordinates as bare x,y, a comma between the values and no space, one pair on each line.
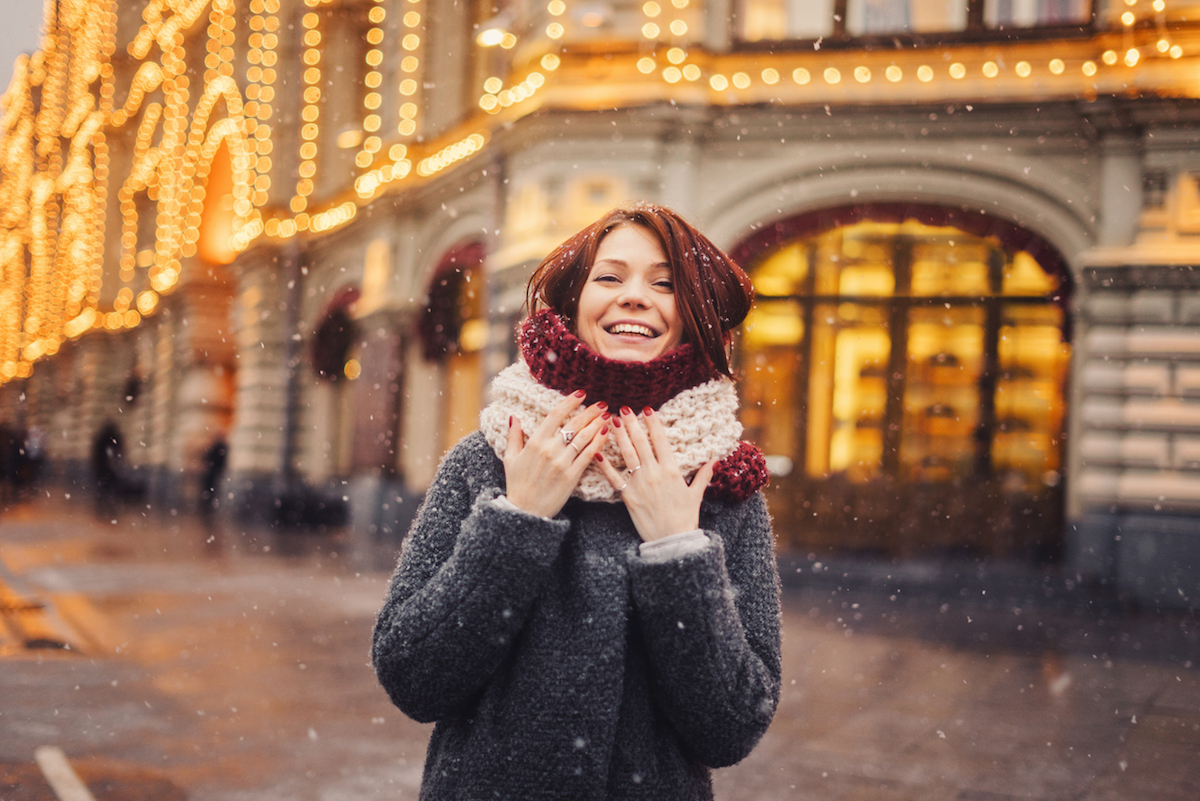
503,502
674,546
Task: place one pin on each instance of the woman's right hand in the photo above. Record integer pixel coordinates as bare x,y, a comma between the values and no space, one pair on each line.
541,472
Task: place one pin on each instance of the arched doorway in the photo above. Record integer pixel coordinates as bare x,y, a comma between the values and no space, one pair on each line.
453,329
903,370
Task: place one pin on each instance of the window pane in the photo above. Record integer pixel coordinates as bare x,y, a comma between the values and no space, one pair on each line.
856,260
1029,395
899,16
1030,13
786,19
783,272
941,396
1024,276
848,390
772,341
954,264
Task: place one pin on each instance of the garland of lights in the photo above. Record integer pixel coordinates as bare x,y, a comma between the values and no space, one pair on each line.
56,160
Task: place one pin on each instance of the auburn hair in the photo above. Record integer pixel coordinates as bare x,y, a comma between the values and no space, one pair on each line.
712,294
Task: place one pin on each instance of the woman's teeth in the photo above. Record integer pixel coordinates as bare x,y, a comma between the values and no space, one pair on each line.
626,328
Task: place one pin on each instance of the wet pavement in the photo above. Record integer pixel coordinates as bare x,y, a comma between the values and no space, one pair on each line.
220,664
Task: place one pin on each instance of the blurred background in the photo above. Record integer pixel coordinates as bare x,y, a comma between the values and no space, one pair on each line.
259,260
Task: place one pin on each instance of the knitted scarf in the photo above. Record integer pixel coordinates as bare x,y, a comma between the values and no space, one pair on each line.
698,411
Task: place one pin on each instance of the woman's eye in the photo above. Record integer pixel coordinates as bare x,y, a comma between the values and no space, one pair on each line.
667,285
608,279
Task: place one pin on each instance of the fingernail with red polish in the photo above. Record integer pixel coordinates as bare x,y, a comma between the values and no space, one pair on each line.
626,410
606,416
510,421
579,393
604,431
602,406
617,422
599,457
647,411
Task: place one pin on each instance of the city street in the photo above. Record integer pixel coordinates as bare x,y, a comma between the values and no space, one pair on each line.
220,664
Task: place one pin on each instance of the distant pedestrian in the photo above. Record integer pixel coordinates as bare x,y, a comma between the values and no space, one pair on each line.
108,458
210,480
587,604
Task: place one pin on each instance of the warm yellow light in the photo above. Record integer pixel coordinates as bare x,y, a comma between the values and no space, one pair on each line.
1023,69
353,369
1089,68
1128,18
893,73
489,37
770,76
1176,51
672,75
1109,57
650,30
990,69
719,82
651,9
958,70
741,80
493,85
691,72
1159,6
678,27
1163,45
550,62
554,30
676,55
1131,57
488,102
1057,66
801,76
556,7
832,75
408,87
925,73
862,74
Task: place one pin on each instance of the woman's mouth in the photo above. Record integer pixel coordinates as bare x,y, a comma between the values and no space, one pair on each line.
634,329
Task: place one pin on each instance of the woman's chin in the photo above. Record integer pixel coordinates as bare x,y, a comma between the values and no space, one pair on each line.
641,352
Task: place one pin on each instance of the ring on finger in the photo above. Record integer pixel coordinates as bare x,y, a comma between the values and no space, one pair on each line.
622,487
567,435
633,470
574,447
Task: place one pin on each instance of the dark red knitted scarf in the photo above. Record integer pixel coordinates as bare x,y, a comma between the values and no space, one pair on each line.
561,361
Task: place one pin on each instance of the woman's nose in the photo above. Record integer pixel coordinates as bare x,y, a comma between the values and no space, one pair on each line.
633,292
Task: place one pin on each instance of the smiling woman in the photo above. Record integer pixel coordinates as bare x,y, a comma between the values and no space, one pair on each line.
587,604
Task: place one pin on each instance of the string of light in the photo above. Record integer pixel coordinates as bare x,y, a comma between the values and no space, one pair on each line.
68,104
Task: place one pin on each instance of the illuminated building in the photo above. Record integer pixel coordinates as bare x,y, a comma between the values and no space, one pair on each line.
971,225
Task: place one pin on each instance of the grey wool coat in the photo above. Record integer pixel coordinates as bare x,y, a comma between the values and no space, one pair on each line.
560,664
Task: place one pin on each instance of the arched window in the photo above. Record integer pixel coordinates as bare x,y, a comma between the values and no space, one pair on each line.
905,378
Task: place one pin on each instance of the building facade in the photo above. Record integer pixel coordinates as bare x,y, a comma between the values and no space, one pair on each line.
303,228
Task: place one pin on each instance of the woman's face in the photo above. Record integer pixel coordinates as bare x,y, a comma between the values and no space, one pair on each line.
627,307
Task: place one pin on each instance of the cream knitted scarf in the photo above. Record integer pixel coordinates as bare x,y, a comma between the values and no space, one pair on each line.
701,424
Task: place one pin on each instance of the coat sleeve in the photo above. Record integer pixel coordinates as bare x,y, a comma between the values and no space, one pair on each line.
710,621
468,575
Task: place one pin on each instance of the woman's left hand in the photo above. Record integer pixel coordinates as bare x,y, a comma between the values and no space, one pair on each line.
659,499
